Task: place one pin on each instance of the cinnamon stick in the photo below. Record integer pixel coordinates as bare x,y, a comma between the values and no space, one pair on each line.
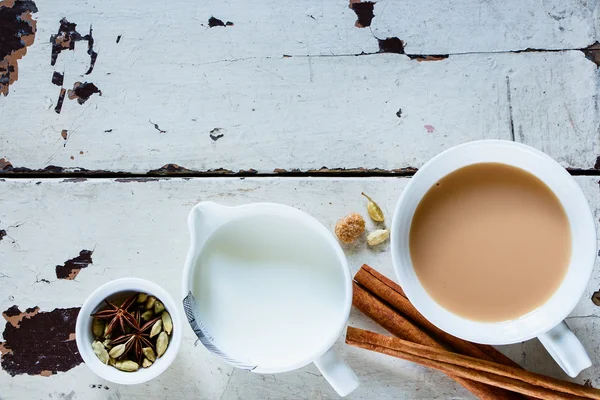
401,327
391,293
471,368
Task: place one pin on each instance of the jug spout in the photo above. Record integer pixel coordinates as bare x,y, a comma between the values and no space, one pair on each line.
204,218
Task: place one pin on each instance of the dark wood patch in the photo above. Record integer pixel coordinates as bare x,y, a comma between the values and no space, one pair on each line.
212,22
363,11
596,298
74,180
130,180
216,134
61,99
430,57
83,91
169,169
118,38
593,53
65,39
5,164
58,78
71,268
390,45
39,343
17,32
2,233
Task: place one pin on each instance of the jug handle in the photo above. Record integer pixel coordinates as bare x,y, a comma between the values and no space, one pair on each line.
566,349
341,378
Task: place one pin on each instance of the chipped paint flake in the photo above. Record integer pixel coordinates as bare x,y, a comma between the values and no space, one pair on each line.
71,268
14,316
391,45
83,91
38,343
58,78
17,32
216,134
363,11
65,39
429,57
593,53
212,22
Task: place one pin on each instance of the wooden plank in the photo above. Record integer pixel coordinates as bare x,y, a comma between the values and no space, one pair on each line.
432,27
138,228
383,111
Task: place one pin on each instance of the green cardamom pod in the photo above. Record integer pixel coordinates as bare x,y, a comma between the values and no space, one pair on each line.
127,365
156,328
161,344
97,327
117,351
158,307
112,362
107,344
149,353
167,322
141,298
146,363
100,352
147,315
105,334
150,302
374,211
377,237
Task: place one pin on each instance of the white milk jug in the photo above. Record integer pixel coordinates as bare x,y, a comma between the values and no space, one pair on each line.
267,288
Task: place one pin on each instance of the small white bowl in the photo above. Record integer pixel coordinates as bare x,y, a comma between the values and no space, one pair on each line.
120,289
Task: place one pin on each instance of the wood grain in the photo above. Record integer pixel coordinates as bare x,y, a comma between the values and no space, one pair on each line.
305,113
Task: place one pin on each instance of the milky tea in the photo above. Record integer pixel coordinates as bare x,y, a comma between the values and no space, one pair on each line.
490,242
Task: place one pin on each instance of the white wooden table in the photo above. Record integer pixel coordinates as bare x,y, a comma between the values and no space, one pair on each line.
293,102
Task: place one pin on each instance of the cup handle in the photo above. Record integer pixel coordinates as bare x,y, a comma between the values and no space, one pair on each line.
341,378
566,349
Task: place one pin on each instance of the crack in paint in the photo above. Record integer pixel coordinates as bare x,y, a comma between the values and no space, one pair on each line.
157,127
510,109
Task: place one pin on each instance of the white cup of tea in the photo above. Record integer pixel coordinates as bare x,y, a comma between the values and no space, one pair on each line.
267,288
546,321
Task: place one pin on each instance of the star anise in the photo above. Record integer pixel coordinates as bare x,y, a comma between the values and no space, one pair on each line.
137,339
118,315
